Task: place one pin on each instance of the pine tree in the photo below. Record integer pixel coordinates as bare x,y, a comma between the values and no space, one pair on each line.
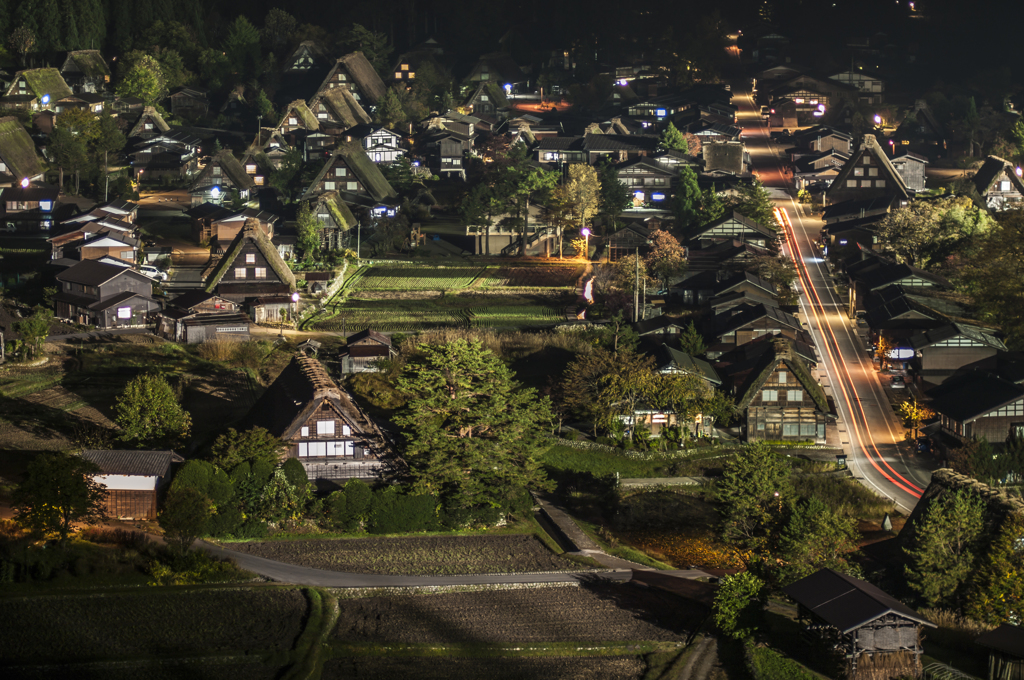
997,591
389,110
69,13
687,200
751,494
673,140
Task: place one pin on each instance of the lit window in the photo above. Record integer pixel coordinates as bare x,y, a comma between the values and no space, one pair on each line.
261,273
405,67
239,272
251,168
485,76
250,258
813,101
783,377
398,76
293,121
795,395
872,172
880,183
411,75
851,183
340,172
484,98
304,432
259,180
346,430
352,186
329,186
325,427
799,100
858,172
769,395
147,126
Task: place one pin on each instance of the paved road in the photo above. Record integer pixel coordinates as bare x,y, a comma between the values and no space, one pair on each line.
868,428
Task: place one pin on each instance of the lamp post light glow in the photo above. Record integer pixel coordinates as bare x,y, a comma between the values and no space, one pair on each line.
878,120
586,234
24,182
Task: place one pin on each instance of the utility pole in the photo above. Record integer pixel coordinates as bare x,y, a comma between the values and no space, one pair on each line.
106,174
636,288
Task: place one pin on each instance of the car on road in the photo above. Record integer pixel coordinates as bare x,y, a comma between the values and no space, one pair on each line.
153,272
898,382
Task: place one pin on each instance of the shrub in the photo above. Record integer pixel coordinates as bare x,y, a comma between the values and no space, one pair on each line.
295,473
391,512
767,664
337,511
358,496
251,353
954,630
216,350
205,478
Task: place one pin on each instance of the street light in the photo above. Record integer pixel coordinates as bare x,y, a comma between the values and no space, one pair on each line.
586,234
878,120
295,307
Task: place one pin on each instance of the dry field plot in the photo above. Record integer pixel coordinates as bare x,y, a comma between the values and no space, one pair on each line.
429,556
598,612
150,622
203,668
505,668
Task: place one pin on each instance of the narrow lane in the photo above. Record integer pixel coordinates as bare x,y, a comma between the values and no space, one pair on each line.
868,428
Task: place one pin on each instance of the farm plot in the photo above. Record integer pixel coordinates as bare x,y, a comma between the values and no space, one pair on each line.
503,668
534,277
515,315
596,612
414,278
147,622
202,668
385,319
428,556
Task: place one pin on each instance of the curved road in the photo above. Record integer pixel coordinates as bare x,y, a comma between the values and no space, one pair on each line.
868,428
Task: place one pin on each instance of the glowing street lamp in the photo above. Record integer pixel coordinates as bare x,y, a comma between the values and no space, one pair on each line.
878,120
586,234
24,182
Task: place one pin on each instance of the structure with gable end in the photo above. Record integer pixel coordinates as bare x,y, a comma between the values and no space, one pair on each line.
868,174
998,184
132,480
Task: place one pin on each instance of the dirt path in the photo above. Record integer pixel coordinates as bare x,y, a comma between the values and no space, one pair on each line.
703,659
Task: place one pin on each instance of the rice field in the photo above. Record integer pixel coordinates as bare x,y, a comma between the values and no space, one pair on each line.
414,278
358,315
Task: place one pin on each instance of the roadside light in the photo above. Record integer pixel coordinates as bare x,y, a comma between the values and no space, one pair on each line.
878,120
24,181
215,192
1018,171
295,296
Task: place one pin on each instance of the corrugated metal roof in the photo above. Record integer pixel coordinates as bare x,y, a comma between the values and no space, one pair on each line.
134,463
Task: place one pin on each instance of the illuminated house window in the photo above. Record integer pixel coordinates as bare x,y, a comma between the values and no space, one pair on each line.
340,172
411,75
250,258
251,168
261,272
259,180
405,67
292,121
329,186
799,100
239,272
352,186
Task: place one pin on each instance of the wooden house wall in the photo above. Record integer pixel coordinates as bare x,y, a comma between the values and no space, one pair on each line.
141,310
120,284
871,183
938,363
339,177
782,418
259,262
122,252
131,504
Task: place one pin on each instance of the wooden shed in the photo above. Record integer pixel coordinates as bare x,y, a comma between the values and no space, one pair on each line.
879,636
1006,652
132,479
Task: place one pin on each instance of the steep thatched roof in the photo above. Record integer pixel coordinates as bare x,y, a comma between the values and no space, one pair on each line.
231,168
343,107
782,353
995,168
90,63
251,232
302,112
17,149
339,210
151,114
366,171
42,81
364,75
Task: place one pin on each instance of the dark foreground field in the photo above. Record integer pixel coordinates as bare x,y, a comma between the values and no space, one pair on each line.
595,630
420,556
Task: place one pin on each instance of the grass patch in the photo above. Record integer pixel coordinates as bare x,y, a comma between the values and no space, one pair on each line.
844,495
560,459
622,551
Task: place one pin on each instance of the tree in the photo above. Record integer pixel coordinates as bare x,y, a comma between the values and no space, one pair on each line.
712,207
997,590
149,413
781,271
469,429
913,412
185,517
750,494
308,227
375,46
739,604
994,275
21,41
584,192
242,47
59,490
687,200
522,182
941,554
667,259
234,447
476,211
615,196
389,109
756,204
79,122
109,139
816,537
277,29
601,385
67,151
927,232
692,342
626,276
673,140
34,329
142,77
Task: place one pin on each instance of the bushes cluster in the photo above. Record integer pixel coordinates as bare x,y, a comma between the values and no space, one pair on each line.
767,664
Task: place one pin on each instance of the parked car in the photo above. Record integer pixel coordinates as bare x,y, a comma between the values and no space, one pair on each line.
153,272
924,445
897,382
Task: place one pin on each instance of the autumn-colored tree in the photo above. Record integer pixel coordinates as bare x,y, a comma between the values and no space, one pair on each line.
913,412
584,192
667,258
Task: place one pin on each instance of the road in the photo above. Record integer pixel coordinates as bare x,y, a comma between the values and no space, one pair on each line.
868,428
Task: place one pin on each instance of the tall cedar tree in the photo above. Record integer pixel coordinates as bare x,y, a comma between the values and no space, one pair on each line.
470,430
688,200
148,413
941,556
615,196
816,537
692,342
673,140
995,275
756,204
59,490
997,592
750,494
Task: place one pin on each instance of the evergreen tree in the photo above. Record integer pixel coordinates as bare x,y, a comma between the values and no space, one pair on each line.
141,76
148,413
711,206
941,556
470,430
997,590
375,46
308,229
92,24
242,46
48,25
756,204
389,109
816,537
615,196
692,342
69,13
687,200
750,494
673,140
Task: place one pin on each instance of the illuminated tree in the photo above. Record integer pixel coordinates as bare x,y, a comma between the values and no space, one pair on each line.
673,140
148,413
997,592
21,41
583,191
59,490
913,412
667,258
688,200
754,485
141,76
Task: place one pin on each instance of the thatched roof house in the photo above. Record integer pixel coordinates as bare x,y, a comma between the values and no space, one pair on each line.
18,157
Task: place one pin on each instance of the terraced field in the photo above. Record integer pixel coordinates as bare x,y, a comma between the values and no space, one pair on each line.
389,317
553,276
414,278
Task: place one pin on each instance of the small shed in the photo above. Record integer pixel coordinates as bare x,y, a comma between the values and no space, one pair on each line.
363,350
132,479
879,636
1006,652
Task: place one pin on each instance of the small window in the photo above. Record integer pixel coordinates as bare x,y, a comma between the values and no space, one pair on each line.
398,75
304,432
485,76
851,183
412,75
783,377
293,121
250,258
147,126
795,395
858,172
880,183
329,186
352,186
346,430
484,98
239,272
261,272
807,429
867,160
325,427
769,395
258,180
791,429
1004,186
872,172
250,168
